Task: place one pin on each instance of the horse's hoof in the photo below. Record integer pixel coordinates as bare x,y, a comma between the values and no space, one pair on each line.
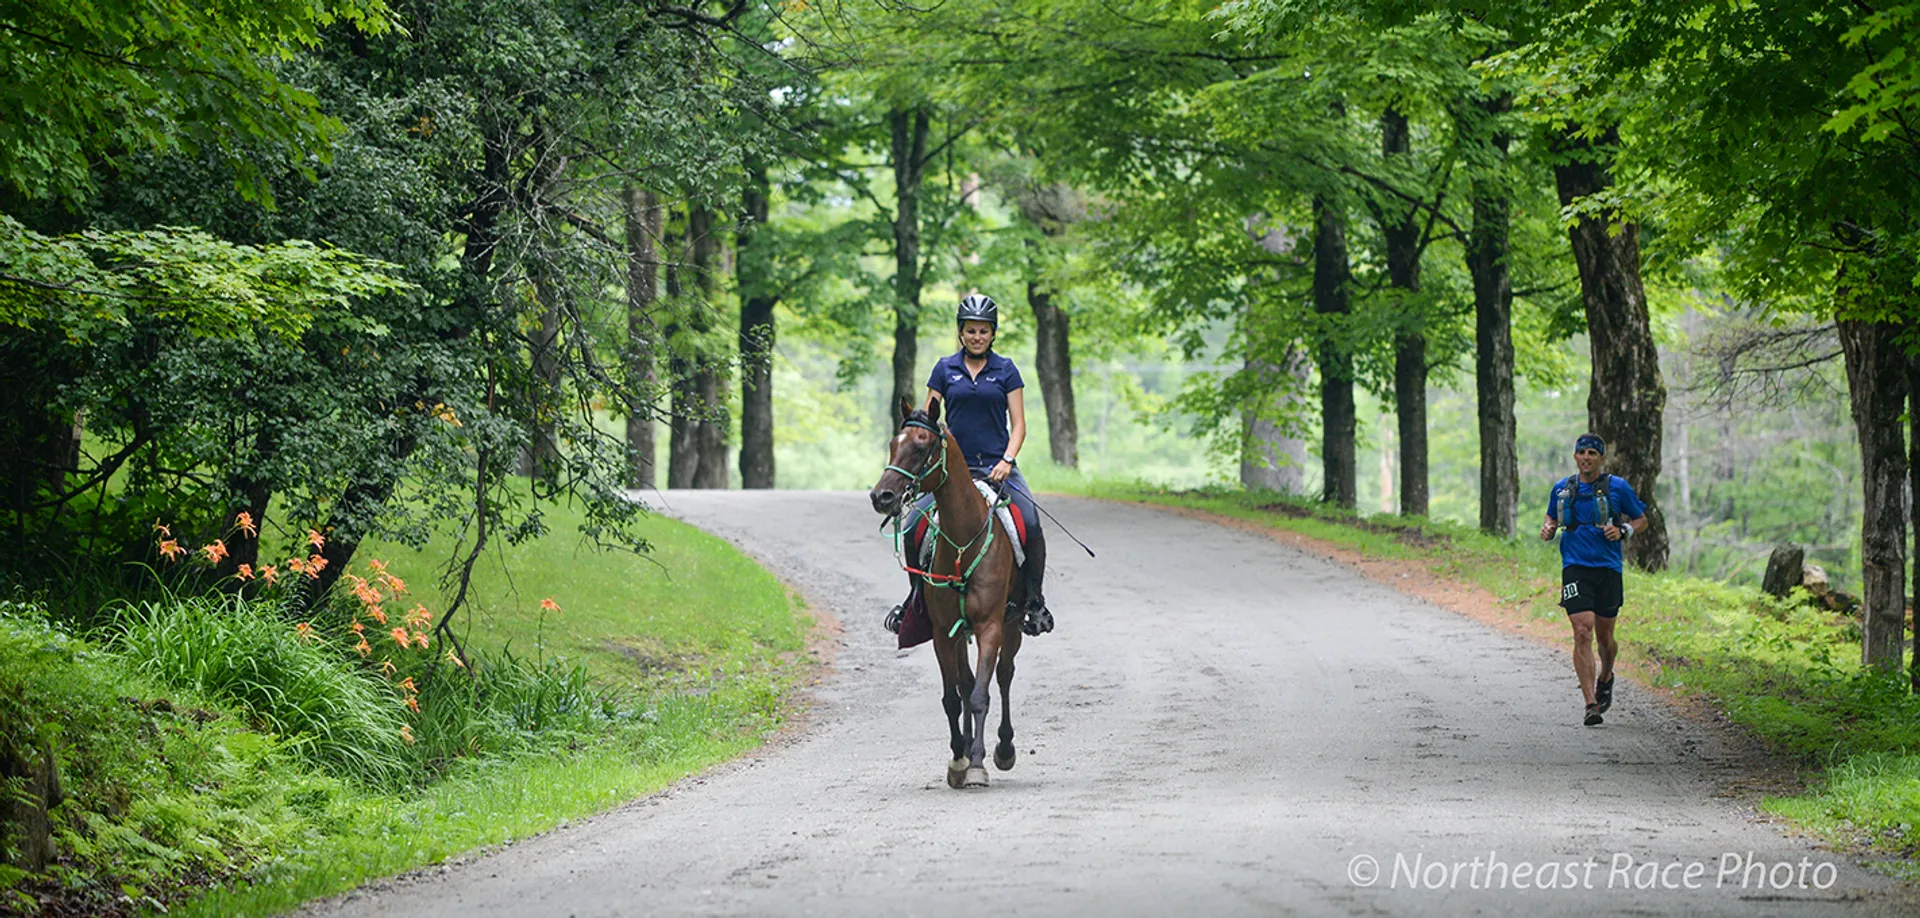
1003,758
976,777
957,773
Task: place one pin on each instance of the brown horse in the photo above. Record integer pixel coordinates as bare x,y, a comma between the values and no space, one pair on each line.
967,587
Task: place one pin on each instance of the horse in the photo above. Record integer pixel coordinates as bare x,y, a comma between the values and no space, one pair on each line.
966,588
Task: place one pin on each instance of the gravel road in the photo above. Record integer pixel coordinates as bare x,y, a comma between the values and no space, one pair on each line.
1221,726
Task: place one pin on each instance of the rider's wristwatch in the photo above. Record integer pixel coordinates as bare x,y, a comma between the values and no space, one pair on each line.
1007,459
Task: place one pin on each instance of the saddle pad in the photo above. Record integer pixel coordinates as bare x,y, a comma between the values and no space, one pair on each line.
1009,514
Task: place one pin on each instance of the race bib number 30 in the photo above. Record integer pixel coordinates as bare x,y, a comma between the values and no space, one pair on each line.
1569,591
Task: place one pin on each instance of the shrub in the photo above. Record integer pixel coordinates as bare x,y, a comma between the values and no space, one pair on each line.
244,651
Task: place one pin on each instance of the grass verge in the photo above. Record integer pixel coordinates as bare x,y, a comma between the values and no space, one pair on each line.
1786,671
221,758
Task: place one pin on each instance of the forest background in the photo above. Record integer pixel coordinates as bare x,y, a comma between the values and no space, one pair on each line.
350,272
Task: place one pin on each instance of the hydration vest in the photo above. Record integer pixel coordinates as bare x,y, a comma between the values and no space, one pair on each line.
1602,506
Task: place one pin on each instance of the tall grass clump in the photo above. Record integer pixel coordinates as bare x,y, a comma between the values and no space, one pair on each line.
243,651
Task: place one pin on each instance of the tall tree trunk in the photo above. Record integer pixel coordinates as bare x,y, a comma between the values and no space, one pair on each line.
1626,397
1272,459
1053,359
1410,341
1913,503
756,339
643,334
909,129
1877,388
1330,278
683,450
542,457
715,424
1487,249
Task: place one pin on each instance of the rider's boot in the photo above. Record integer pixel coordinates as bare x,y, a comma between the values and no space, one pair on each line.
1034,573
892,621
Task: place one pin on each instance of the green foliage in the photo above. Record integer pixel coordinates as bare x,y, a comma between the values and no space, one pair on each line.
98,79
246,654
93,285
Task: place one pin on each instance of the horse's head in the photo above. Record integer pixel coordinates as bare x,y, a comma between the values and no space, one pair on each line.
914,453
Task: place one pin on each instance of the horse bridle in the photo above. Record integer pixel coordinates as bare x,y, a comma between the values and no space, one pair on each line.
933,463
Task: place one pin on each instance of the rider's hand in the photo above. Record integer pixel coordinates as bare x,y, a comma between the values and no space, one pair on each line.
1612,532
1000,471
1547,529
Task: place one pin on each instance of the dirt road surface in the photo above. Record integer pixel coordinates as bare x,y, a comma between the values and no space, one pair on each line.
1221,726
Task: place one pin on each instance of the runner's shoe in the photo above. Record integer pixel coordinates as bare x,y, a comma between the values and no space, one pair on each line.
892,621
1593,715
1603,694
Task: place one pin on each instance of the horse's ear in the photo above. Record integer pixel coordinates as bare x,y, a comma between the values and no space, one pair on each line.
906,409
933,410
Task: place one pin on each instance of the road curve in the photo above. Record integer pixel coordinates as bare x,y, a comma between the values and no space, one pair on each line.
1220,726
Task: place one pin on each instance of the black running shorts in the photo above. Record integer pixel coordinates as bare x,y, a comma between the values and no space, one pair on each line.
1590,589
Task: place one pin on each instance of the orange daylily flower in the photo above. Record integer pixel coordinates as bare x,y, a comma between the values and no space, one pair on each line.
407,684
215,550
400,636
358,628
315,539
244,573
304,631
270,575
378,615
549,605
418,617
386,666
394,583
377,566
406,733
171,549
454,658
297,565
315,564
420,638
414,703
363,647
244,521
165,531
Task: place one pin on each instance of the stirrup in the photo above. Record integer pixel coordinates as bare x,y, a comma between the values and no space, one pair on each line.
892,621
1039,621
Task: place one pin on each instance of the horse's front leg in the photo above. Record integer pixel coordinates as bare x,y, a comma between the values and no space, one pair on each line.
1003,754
988,637
953,678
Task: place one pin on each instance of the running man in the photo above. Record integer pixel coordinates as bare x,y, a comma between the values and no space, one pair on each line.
1589,507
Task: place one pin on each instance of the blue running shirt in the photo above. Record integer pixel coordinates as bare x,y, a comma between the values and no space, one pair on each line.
1585,544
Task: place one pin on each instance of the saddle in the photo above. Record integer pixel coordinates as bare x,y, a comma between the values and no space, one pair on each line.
921,548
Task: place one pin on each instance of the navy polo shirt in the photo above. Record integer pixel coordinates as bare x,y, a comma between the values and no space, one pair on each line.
1585,544
976,406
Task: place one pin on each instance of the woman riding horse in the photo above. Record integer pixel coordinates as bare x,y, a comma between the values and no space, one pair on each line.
986,413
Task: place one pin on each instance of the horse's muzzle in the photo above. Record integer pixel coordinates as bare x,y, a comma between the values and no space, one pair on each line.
886,501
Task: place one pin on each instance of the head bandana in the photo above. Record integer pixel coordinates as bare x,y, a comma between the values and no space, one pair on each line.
1589,441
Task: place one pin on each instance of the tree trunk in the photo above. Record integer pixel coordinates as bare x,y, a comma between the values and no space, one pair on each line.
683,452
1877,388
1330,278
1626,397
714,426
756,340
1271,459
1913,503
541,459
909,155
1487,249
1410,340
1054,361
643,334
